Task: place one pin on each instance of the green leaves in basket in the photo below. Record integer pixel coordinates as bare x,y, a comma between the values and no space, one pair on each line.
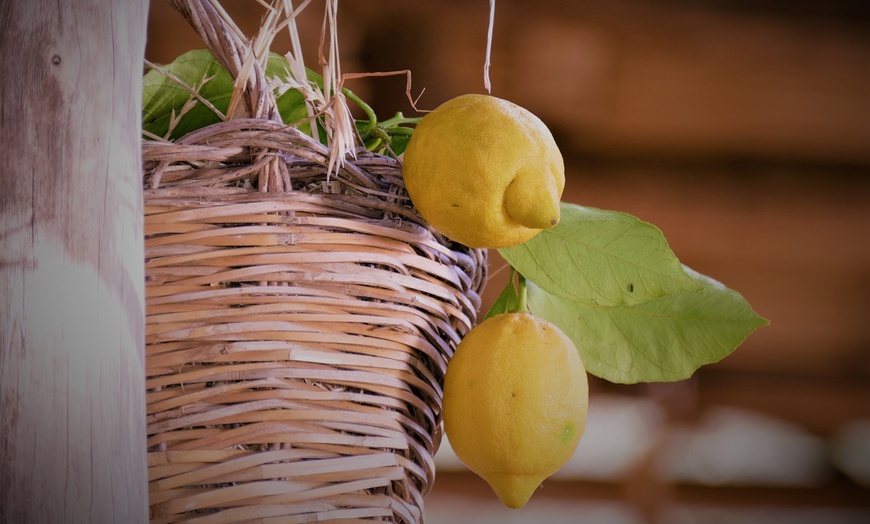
194,91
170,110
166,103
636,314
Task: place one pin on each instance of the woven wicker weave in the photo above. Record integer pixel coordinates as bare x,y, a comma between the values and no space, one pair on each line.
297,338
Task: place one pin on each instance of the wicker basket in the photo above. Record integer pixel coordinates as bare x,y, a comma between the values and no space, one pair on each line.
297,338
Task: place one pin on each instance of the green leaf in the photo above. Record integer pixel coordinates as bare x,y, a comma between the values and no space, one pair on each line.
665,339
508,300
162,96
399,144
599,257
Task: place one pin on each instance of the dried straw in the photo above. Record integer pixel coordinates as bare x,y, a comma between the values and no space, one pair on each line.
298,325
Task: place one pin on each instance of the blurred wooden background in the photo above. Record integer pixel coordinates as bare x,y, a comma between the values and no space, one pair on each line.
740,128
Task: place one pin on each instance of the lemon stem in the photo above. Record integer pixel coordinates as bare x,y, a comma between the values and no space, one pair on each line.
522,295
399,119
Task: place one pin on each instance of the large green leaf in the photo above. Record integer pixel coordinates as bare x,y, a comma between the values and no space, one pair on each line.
600,257
664,339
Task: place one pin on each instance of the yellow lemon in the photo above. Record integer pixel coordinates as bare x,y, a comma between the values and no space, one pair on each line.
515,403
484,172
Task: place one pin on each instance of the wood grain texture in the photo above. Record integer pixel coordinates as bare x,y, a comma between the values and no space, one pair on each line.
72,445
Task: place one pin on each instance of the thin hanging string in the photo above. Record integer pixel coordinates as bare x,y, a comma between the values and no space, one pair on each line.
486,82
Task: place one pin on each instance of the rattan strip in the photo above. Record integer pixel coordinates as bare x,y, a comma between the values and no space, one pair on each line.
295,342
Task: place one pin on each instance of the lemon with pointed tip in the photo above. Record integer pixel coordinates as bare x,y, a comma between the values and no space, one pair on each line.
484,172
515,403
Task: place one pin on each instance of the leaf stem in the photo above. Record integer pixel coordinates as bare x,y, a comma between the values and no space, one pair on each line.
400,131
367,109
399,119
522,295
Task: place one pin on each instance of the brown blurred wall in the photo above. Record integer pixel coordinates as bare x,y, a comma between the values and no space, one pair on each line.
741,129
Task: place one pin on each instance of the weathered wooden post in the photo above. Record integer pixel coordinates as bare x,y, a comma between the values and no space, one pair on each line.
72,420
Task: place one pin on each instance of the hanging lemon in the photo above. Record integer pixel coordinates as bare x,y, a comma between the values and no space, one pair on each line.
485,172
515,403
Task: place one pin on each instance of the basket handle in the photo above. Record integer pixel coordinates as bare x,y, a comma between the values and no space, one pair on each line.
256,99
230,49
